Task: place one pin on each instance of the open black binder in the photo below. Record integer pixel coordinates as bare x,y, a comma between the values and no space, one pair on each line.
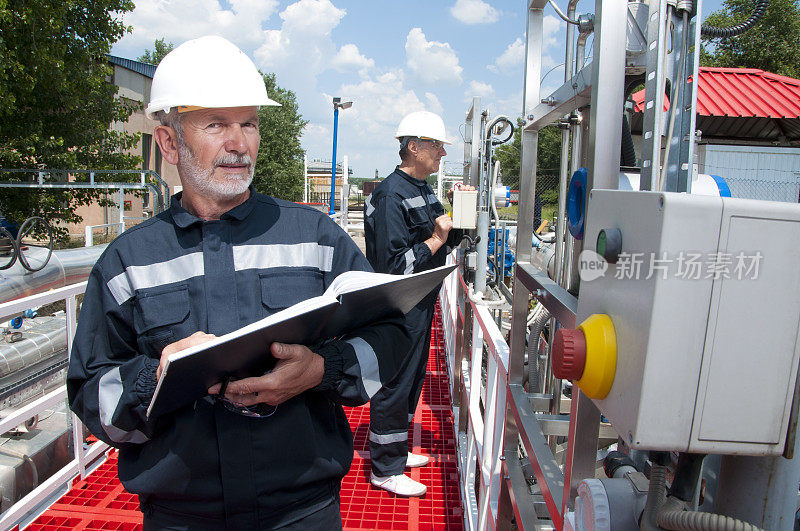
355,299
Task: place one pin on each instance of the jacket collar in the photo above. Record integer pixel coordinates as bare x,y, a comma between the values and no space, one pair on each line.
407,177
184,219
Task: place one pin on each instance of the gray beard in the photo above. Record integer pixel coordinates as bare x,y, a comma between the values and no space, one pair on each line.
202,179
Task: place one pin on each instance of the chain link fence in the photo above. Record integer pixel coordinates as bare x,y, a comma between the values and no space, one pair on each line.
755,172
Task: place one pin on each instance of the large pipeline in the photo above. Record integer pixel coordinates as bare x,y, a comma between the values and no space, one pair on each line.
65,267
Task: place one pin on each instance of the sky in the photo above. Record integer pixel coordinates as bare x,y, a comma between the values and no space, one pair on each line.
388,58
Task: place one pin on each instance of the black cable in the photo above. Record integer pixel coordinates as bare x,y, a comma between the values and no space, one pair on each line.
509,137
627,156
687,474
717,33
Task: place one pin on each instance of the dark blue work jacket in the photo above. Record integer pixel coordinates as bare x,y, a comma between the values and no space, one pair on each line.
399,216
176,274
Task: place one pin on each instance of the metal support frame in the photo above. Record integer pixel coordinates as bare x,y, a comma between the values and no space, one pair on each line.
683,142
655,81
608,89
602,84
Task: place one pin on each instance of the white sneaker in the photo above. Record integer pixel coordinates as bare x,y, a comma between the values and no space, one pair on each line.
416,460
400,484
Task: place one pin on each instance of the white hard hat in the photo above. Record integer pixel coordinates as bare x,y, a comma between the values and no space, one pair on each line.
422,124
206,72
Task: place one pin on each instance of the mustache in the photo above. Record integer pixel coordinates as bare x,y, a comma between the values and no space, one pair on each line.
233,159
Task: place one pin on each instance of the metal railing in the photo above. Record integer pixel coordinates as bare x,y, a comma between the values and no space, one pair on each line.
83,456
89,231
485,400
86,179
479,407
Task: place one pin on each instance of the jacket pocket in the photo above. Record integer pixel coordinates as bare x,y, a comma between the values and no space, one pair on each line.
281,289
419,222
158,313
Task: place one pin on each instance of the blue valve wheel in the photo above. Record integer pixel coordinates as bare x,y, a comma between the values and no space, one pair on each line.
576,203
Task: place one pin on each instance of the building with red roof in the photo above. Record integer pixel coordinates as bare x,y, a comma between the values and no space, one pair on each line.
749,123
744,103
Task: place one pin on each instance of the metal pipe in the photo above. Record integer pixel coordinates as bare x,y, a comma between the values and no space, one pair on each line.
65,267
42,338
561,14
554,385
568,272
572,279
483,252
759,490
564,167
333,160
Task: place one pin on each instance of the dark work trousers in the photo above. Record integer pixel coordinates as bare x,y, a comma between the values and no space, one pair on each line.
392,408
329,518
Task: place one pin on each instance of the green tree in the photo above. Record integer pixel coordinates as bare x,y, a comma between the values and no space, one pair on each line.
773,44
547,159
154,56
56,104
279,166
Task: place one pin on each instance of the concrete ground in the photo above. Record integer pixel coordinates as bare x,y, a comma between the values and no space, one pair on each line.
359,239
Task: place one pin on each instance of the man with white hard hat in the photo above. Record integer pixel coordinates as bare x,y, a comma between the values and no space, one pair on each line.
267,452
407,231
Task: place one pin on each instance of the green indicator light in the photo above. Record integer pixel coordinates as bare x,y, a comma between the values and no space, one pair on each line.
601,243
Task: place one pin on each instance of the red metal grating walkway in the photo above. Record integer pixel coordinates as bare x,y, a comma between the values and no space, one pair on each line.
100,503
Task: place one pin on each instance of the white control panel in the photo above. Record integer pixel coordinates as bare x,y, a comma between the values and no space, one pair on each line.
465,209
704,296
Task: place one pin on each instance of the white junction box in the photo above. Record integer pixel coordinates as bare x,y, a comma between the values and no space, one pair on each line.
705,302
465,209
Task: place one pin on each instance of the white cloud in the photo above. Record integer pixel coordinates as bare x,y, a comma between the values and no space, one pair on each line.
479,88
511,106
304,38
312,16
431,61
550,27
303,48
511,58
380,100
434,105
349,59
180,20
474,12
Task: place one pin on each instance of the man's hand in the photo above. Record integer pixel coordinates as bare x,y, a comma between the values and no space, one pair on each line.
172,348
442,227
464,187
298,369
444,224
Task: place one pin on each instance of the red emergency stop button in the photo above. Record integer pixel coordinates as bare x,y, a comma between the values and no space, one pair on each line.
569,354
587,355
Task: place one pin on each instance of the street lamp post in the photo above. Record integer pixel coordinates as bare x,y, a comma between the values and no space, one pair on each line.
337,104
